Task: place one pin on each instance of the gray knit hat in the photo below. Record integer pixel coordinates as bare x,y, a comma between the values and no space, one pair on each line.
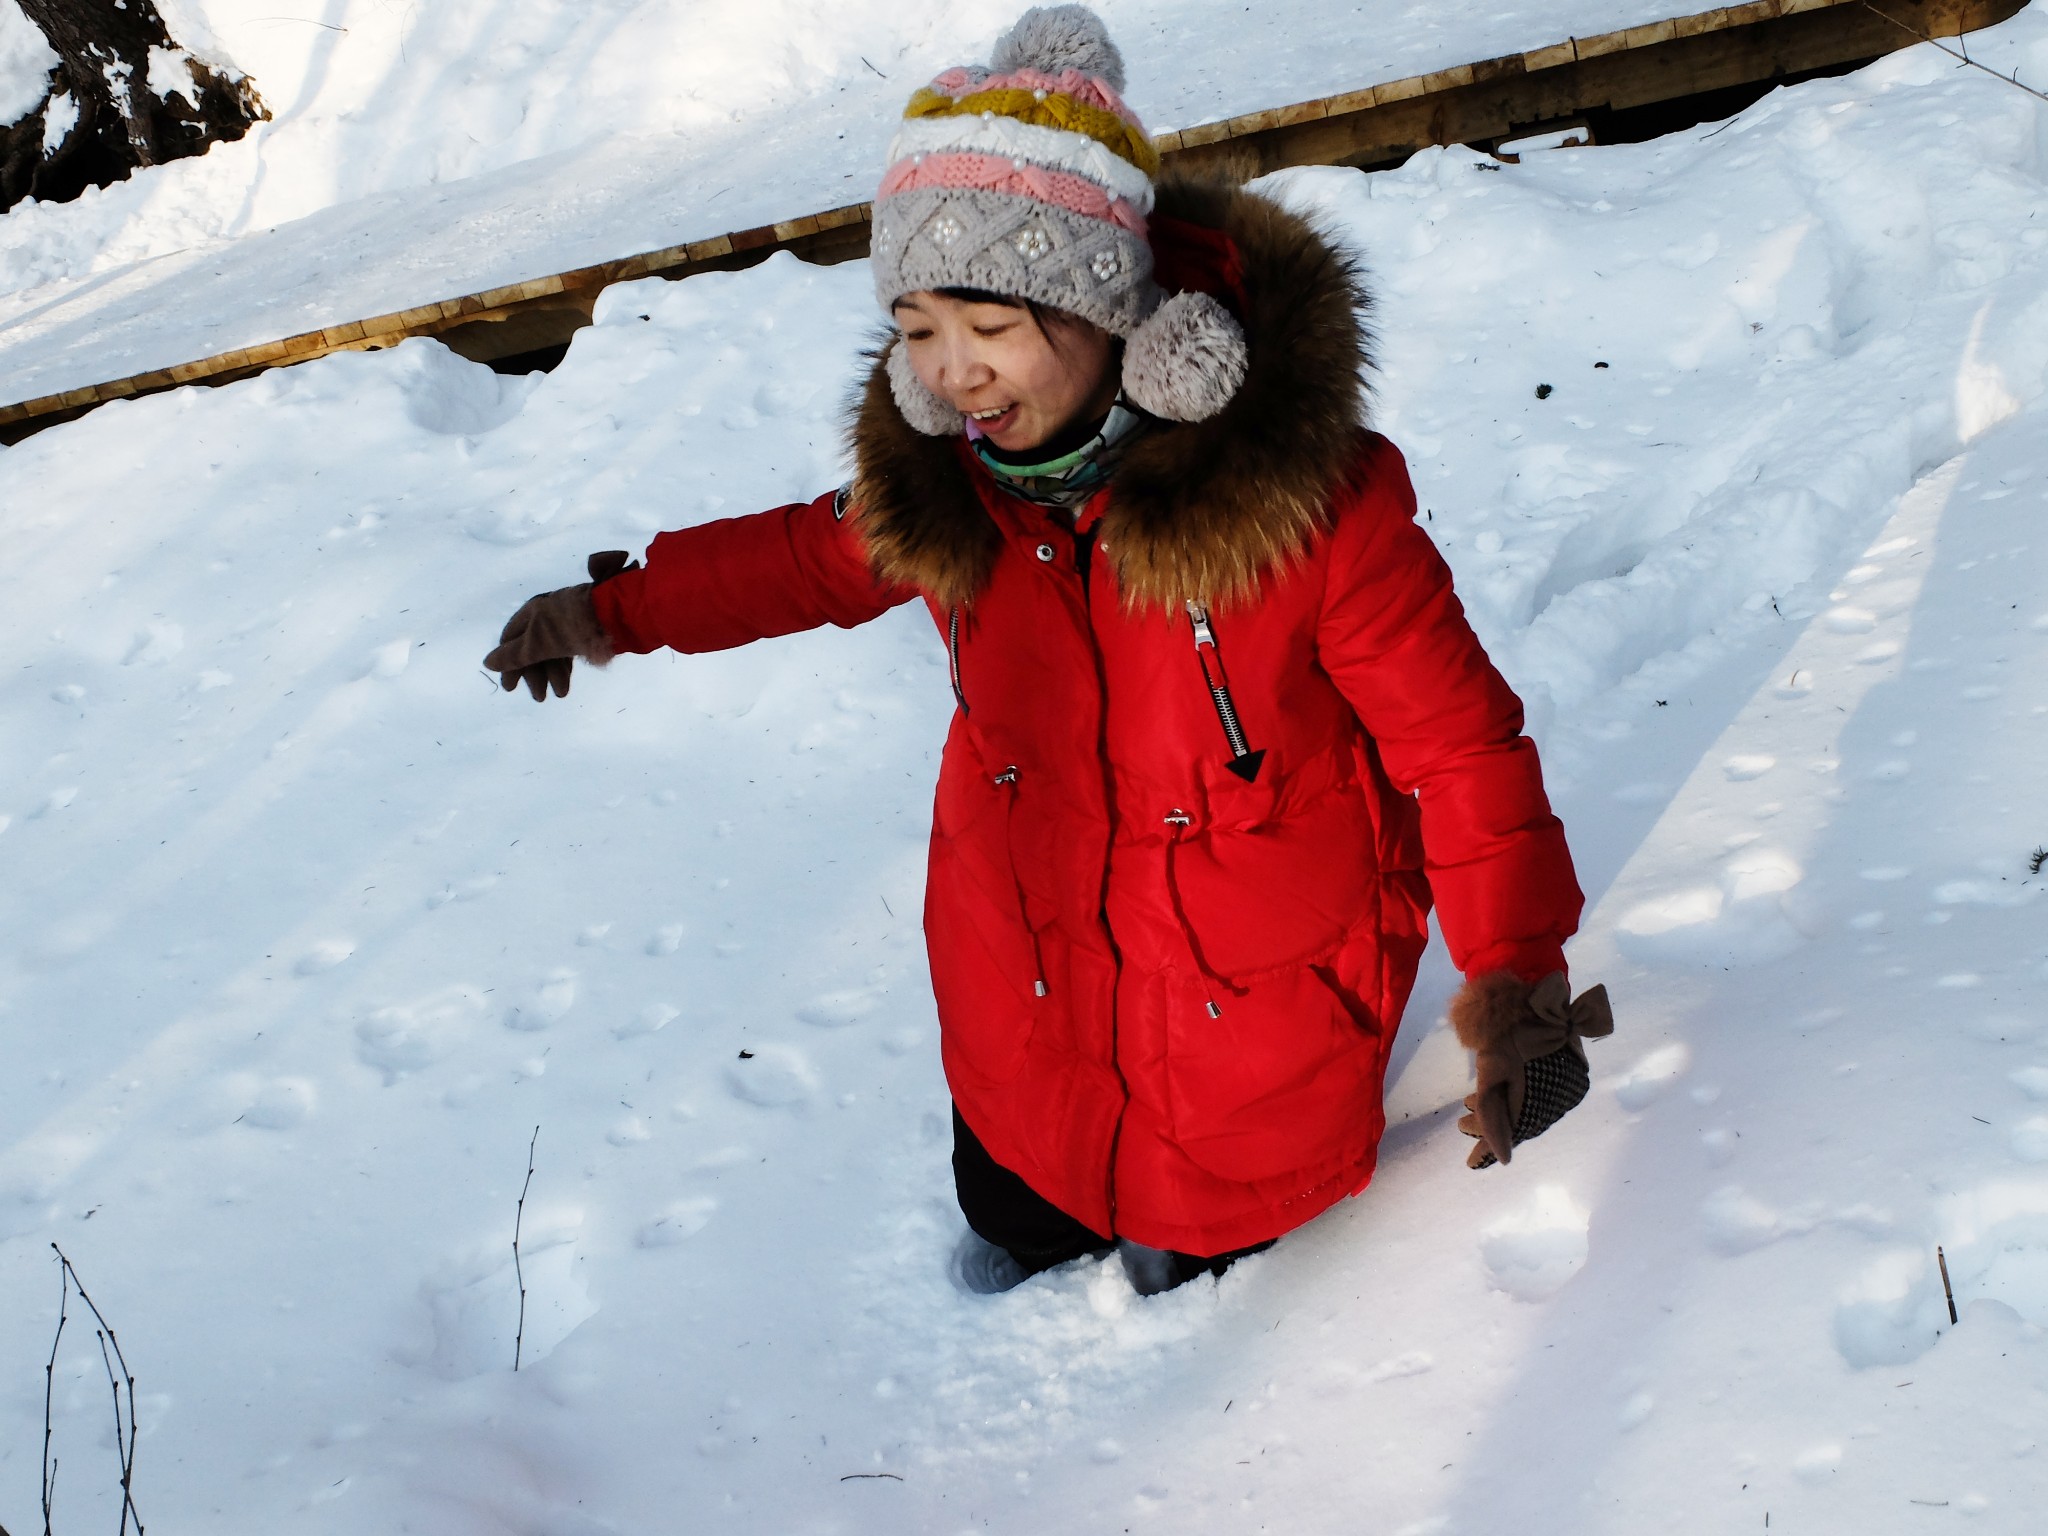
1030,177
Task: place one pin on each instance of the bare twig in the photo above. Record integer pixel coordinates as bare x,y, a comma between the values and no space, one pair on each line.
1961,55
49,1391
1946,1290
123,1383
519,1217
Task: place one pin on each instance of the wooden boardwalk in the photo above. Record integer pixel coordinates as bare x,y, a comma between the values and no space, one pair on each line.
1478,103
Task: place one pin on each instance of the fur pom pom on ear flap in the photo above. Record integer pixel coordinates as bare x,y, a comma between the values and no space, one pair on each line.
923,410
1187,361
1057,38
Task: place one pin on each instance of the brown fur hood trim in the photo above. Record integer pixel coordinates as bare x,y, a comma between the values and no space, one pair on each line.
1200,509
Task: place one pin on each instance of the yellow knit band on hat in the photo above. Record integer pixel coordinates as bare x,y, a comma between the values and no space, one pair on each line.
1050,110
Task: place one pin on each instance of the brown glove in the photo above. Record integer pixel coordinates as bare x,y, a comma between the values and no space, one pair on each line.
551,632
1532,1067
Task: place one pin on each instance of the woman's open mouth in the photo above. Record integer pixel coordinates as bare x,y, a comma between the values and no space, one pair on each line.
995,418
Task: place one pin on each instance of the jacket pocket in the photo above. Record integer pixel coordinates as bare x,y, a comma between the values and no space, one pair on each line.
1262,898
1286,1076
987,975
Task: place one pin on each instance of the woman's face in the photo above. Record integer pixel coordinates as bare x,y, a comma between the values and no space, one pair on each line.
994,364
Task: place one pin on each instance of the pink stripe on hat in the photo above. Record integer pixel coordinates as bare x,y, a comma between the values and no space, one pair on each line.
994,173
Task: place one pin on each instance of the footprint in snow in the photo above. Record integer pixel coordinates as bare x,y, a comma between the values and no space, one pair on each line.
1645,1082
472,1299
2032,1081
647,1021
387,660
156,643
468,890
408,1036
773,1077
1531,1252
550,1002
324,956
2030,1139
1737,1222
666,941
680,1222
280,1104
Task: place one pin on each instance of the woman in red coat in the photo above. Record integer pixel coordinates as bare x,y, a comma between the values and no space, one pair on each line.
1222,732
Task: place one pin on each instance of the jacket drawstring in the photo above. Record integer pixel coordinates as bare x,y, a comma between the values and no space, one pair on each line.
1180,821
1009,777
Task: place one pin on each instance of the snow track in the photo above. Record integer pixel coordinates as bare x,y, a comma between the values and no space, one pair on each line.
306,926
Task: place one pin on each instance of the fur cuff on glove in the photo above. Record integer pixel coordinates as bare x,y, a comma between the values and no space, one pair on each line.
1531,1064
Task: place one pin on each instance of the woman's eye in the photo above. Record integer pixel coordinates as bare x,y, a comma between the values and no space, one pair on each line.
995,330
917,335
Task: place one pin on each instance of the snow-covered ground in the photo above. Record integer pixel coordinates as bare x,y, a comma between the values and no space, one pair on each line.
305,927
423,151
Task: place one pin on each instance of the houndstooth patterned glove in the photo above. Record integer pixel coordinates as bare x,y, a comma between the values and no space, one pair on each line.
1531,1062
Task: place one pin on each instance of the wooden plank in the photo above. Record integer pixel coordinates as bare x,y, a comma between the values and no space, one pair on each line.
1206,133
1352,101
1468,103
1505,67
1553,57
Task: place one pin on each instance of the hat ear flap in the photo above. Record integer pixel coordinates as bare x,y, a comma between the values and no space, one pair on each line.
1186,362
925,411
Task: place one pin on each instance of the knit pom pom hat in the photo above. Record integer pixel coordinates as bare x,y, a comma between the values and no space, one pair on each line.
1031,178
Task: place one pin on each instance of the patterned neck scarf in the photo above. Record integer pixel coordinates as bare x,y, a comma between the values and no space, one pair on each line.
1066,481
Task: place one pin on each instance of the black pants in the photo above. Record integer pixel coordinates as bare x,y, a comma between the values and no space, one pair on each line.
1006,1211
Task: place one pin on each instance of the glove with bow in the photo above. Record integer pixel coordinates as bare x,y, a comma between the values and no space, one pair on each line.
1532,1066
551,632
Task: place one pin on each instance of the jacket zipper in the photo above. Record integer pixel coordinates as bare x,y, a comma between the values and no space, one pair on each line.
953,659
1244,761
1085,533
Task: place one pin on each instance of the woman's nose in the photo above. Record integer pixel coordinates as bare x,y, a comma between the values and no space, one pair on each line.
960,368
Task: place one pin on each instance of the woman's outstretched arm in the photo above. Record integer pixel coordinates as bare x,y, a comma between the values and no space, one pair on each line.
726,583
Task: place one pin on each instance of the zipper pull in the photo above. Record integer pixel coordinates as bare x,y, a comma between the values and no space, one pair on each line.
1245,761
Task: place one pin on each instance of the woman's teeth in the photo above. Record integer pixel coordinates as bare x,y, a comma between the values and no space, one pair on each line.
990,415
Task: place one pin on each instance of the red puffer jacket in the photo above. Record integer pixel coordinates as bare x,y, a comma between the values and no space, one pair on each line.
1217,746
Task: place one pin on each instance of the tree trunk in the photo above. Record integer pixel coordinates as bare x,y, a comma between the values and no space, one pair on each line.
125,119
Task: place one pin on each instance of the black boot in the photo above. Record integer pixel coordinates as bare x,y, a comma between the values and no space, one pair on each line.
1152,1270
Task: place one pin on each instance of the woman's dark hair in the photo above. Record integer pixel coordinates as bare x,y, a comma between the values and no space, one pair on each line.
1040,314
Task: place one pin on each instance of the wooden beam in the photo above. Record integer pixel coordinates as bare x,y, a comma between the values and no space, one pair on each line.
1479,103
